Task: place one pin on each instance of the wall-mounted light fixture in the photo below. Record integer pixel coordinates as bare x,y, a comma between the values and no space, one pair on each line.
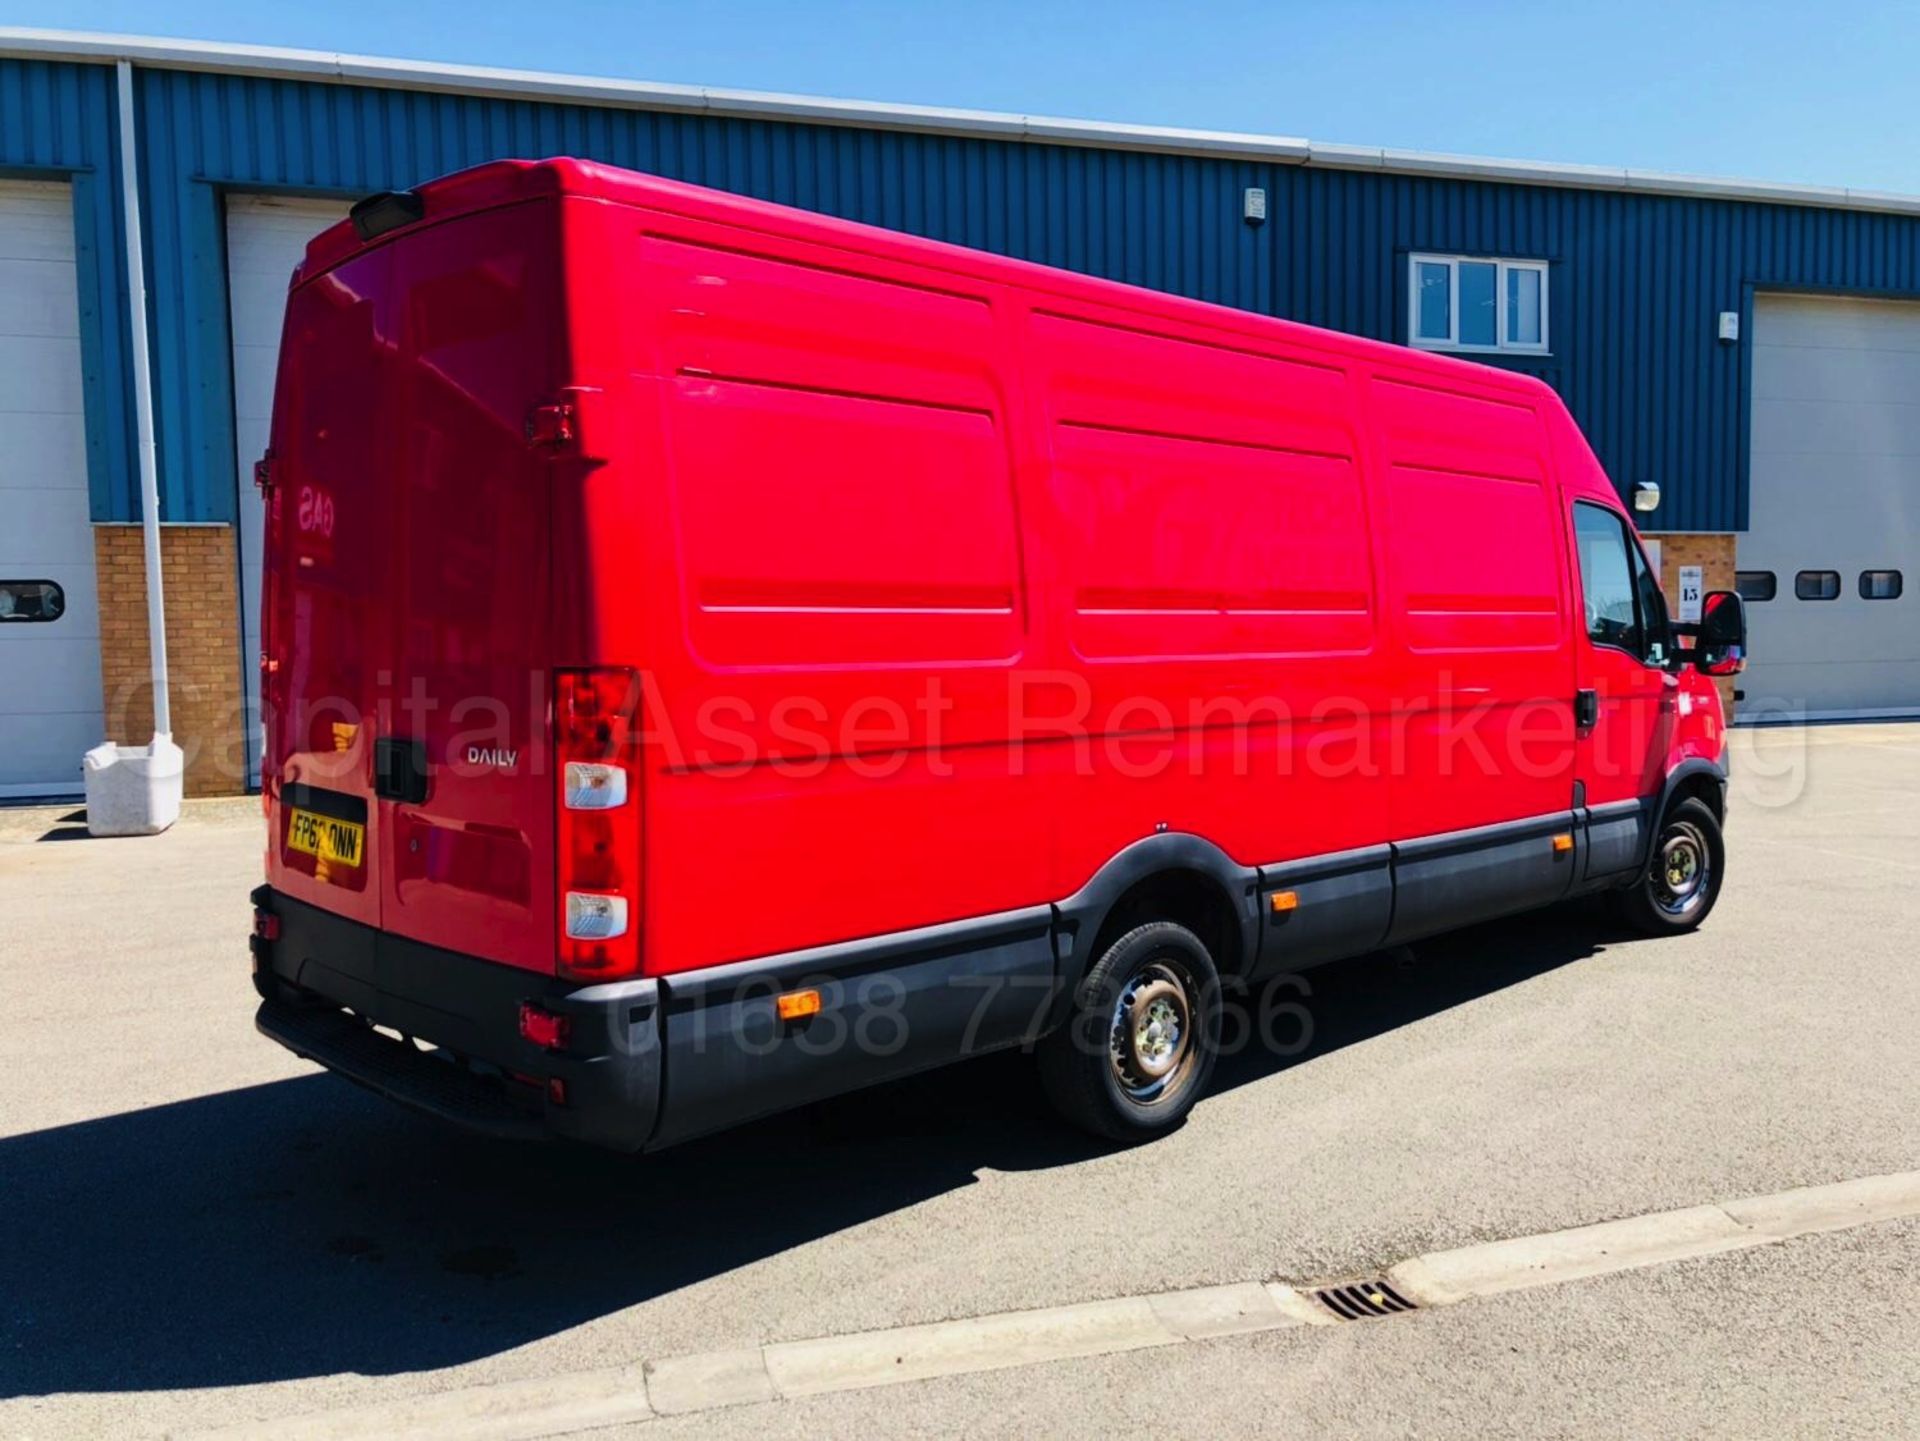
1253,206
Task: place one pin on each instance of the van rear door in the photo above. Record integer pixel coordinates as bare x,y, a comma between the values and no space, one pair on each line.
460,764
325,624
409,597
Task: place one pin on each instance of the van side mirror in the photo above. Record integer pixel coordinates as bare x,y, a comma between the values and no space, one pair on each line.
1721,648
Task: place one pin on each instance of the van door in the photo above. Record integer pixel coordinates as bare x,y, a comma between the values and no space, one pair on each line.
326,613
1475,566
1625,706
464,788
1473,563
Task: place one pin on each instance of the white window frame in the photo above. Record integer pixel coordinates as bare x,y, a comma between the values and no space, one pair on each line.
1502,267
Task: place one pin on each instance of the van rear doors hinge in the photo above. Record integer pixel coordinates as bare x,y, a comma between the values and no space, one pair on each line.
576,420
551,423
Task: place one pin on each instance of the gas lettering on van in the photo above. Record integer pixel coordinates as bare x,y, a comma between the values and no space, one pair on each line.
315,511
1359,645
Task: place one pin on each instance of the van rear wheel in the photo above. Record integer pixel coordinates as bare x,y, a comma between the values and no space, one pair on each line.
1681,882
1139,1047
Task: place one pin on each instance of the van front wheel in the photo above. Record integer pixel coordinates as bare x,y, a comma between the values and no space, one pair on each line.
1682,878
1139,1048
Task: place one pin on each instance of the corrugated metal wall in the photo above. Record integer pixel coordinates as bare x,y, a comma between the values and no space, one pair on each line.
57,121
1637,280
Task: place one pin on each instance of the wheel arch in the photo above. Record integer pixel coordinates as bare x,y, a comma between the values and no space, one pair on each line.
1694,779
1171,876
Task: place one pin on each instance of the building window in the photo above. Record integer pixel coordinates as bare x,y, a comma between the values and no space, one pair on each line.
1756,584
1817,585
1460,302
31,600
1881,584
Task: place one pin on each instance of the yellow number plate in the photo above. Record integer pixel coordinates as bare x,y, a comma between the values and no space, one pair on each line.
339,843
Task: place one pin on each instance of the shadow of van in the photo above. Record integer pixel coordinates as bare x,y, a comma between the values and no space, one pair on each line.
303,1228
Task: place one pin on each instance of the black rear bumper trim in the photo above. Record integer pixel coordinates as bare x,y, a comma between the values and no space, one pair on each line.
325,977
400,1072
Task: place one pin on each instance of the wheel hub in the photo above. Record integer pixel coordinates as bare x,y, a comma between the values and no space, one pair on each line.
1152,1032
1159,1026
1683,866
1680,871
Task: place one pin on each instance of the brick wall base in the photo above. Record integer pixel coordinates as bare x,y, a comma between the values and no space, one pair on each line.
1714,554
201,575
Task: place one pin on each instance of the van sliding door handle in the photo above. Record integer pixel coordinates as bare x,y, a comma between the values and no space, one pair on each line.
1586,709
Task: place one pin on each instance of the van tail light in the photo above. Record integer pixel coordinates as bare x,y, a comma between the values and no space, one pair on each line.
594,785
599,829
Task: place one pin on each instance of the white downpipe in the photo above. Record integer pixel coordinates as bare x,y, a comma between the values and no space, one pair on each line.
136,790
143,406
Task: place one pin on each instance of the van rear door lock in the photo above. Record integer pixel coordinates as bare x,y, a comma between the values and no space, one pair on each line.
400,770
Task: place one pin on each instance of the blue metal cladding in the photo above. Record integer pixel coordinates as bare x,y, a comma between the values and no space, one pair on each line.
1637,280
57,123
1151,220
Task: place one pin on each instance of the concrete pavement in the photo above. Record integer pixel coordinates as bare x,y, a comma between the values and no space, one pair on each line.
1815,1338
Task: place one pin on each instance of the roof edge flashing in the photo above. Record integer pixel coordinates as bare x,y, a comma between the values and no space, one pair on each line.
279,62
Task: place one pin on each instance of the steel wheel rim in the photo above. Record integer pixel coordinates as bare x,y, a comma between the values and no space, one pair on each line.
1150,1036
1682,869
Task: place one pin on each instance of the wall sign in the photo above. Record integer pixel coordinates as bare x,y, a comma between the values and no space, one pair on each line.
1692,585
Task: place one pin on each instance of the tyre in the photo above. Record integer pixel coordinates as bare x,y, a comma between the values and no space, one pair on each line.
1676,891
1139,1047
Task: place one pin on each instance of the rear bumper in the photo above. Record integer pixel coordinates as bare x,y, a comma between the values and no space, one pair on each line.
483,1075
648,1063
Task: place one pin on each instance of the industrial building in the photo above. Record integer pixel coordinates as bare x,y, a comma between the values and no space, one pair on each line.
1752,349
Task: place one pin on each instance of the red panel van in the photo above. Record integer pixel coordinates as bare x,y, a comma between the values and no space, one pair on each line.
719,656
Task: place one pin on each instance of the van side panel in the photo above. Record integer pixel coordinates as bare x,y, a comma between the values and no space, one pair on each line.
1210,581
844,597
1477,577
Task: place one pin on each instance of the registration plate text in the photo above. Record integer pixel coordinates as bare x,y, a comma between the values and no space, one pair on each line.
339,843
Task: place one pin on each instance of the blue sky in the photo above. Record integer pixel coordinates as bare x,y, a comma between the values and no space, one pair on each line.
1825,94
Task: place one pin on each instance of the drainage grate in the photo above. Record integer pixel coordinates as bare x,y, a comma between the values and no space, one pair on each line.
1363,1300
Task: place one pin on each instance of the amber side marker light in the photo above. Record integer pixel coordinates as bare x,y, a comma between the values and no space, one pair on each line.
1562,844
1284,901
797,1005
